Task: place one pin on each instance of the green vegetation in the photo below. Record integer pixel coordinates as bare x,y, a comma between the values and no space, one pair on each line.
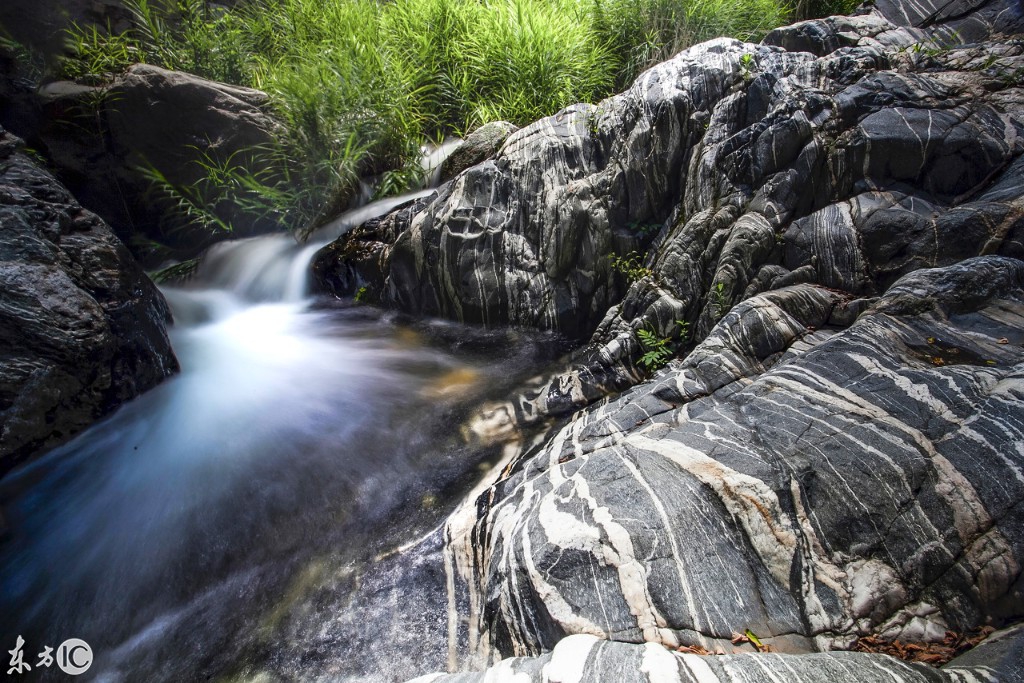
631,266
360,84
640,33
659,350
719,299
747,66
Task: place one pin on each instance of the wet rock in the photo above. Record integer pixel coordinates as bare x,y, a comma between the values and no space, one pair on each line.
586,658
82,329
829,234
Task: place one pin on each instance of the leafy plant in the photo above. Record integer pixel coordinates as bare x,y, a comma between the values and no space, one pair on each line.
812,9
684,331
631,266
179,272
719,299
747,66
657,350
98,55
238,183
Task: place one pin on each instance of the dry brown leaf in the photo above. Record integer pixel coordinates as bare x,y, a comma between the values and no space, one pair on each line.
935,654
933,659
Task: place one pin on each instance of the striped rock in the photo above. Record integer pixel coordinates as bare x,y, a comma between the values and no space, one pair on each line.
836,216
807,483
585,658
846,152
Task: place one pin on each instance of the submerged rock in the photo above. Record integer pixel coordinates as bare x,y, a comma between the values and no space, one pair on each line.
82,329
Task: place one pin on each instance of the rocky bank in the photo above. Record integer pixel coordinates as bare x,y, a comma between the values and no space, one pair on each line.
828,230
82,329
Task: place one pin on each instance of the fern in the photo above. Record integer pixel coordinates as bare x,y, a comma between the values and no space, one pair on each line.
657,350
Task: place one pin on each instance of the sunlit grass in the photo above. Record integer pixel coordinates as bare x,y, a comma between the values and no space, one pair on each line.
360,84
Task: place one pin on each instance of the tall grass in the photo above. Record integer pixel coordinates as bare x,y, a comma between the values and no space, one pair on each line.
643,32
360,84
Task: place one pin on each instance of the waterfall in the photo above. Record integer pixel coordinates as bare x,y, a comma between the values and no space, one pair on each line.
296,437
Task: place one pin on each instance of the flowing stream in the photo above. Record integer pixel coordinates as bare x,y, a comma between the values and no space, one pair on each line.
199,533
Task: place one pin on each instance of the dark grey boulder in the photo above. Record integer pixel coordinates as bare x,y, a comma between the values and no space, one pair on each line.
99,140
82,329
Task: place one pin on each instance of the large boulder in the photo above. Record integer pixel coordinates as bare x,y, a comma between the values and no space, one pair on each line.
835,217
102,139
846,152
811,484
82,329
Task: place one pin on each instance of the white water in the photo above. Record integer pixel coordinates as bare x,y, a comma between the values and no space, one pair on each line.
276,268
161,534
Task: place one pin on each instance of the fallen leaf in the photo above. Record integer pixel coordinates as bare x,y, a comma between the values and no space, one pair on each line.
933,659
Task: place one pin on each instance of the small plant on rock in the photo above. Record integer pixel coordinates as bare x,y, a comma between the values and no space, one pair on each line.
719,300
657,350
631,266
684,331
747,66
